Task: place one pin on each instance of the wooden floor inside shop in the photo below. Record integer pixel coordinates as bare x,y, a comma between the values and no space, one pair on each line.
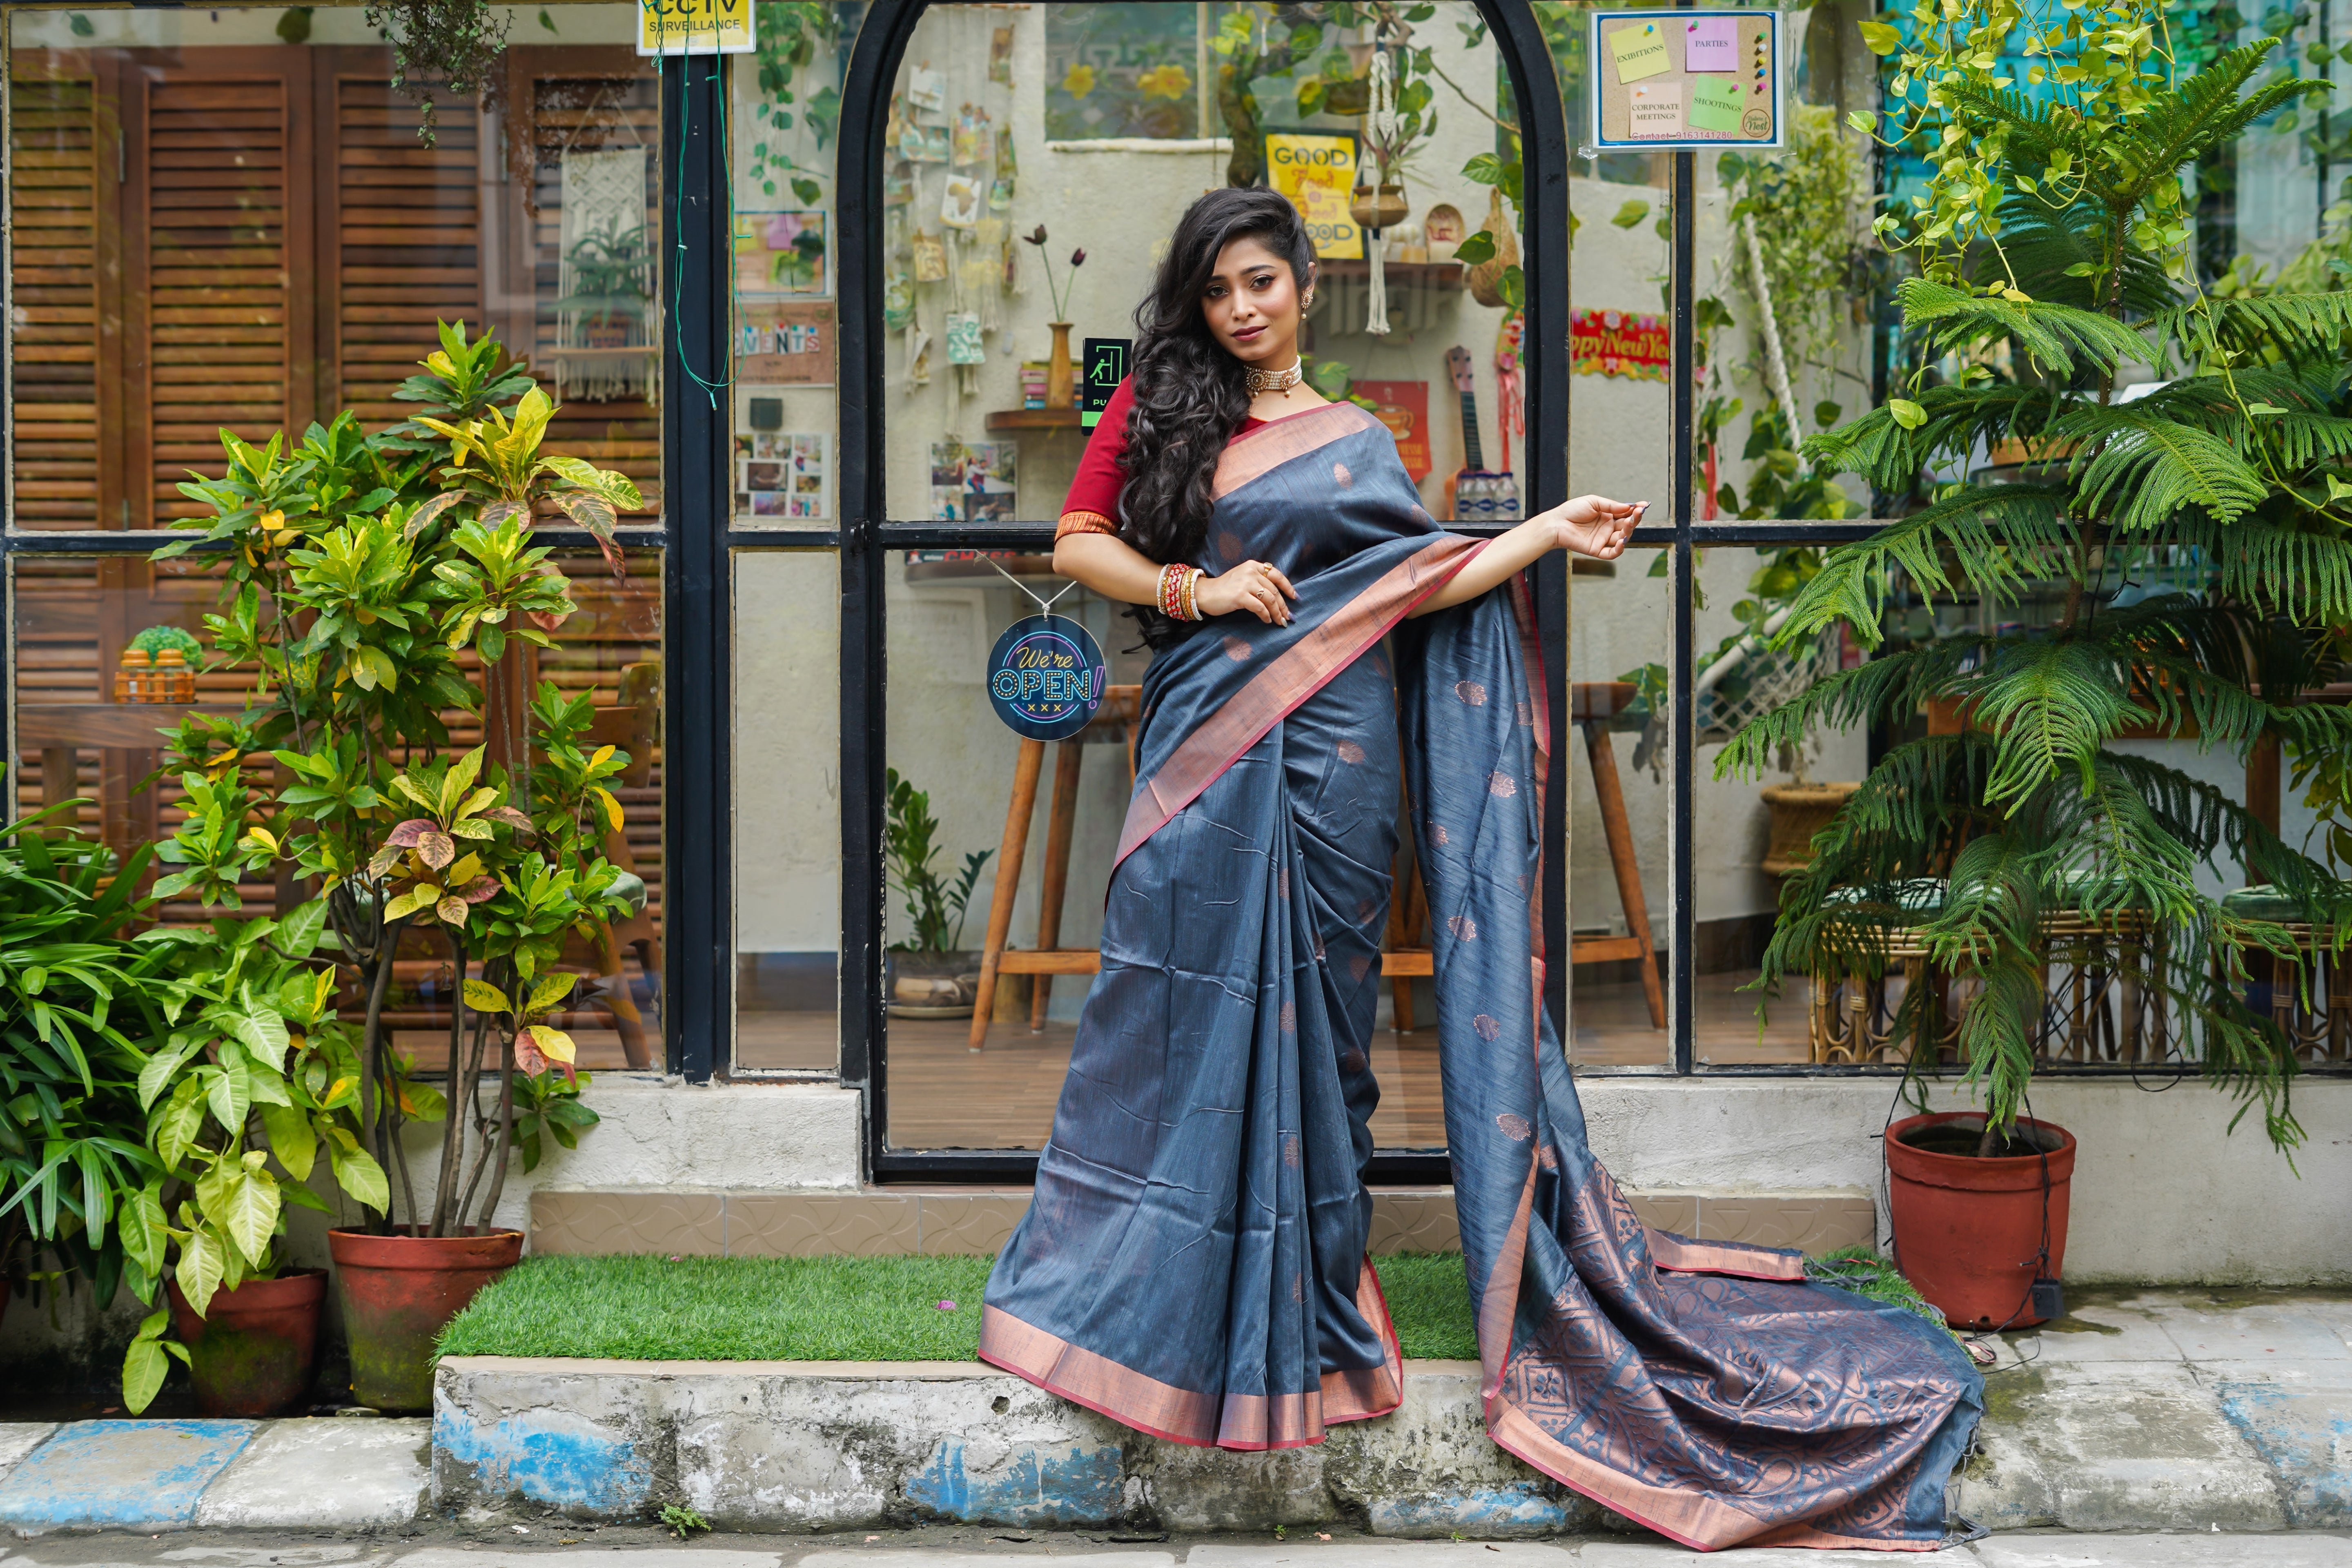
943,1095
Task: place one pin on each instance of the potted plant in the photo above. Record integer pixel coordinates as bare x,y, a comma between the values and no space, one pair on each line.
931,975
251,1091
358,568
610,272
2025,836
74,1003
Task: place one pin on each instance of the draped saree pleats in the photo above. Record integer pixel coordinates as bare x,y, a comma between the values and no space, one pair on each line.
1193,1262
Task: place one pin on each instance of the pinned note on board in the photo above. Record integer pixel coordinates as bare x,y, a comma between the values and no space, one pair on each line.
1714,105
1686,79
1640,51
1711,43
1658,110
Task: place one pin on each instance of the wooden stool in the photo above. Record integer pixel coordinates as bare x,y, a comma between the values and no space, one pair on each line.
1592,704
1117,719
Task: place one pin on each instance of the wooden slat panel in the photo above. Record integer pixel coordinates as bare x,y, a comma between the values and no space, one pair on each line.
53,204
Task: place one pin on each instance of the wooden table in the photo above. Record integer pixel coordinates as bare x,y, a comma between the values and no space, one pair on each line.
125,736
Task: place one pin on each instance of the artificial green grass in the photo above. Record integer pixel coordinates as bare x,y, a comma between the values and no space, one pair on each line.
887,1308
825,1309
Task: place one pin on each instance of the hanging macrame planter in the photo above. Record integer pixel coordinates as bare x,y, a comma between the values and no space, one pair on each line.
1381,206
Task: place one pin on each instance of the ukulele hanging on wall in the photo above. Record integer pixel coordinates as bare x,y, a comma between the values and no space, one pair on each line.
1474,494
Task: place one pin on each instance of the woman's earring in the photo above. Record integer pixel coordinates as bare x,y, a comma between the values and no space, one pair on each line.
1306,301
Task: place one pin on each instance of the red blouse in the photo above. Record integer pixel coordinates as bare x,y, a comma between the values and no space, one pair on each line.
1093,503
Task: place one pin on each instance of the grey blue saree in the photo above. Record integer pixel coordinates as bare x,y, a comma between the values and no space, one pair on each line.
1193,1263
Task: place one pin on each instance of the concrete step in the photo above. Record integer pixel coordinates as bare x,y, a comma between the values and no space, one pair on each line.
2142,1412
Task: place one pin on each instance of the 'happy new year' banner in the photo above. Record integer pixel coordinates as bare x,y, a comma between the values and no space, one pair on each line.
1618,342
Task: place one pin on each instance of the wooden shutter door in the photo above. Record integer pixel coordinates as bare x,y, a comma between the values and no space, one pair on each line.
217,247
67,341
399,241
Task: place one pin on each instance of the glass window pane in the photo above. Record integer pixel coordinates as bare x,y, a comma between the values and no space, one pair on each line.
1618,896
92,709
785,107
945,610
787,810
984,329
215,228
1751,833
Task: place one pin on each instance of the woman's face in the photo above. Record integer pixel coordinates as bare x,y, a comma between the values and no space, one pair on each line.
1252,305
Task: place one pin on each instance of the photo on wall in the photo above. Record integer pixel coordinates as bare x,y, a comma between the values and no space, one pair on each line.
780,253
974,481
785,475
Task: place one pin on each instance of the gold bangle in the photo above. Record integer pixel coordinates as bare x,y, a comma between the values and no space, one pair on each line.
1192,594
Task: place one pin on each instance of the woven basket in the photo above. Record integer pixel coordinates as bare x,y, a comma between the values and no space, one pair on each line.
1486,278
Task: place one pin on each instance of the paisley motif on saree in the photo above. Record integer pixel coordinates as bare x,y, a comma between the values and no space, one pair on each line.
1193,1261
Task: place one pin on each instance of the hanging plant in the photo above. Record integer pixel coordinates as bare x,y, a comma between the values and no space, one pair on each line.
790,32
447,46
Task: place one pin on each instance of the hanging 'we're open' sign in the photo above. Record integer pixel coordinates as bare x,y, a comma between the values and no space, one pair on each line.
1046,677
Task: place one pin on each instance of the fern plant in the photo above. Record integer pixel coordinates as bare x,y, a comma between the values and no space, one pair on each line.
2191,537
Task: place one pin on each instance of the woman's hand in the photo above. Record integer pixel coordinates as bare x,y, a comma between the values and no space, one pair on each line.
1254,586
1595,525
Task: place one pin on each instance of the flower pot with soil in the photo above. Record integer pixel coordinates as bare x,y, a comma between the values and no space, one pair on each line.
256,1349
932,985
1974,1229
398,1292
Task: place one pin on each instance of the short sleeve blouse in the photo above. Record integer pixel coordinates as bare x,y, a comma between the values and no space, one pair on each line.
1092,506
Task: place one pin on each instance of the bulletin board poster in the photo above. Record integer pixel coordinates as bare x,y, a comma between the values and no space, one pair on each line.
1403,407
1316,172
785,342
1686,79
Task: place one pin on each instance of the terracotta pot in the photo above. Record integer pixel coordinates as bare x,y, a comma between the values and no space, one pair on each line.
1799,811
1969,1232
256,1349
1061,373
398,1291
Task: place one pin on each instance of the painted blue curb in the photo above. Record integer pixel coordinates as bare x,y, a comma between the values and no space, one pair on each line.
121,1475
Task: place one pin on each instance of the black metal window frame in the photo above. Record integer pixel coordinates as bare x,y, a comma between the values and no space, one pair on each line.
699,544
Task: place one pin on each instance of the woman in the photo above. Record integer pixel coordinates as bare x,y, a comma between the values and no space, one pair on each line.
1193,1261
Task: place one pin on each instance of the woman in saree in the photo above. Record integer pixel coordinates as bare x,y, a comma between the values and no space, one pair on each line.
1193,1262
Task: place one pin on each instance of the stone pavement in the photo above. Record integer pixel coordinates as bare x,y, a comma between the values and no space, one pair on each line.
2143,1412
973,1549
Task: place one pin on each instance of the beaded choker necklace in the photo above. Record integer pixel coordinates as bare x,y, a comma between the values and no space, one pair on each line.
1282,380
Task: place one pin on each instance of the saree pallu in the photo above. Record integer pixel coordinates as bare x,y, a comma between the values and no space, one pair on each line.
1193,1262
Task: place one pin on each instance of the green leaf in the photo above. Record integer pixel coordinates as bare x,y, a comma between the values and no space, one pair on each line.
1479,247
1908,414
484,997
199,1269
359,1175
1631,213
262,1030
249,1214
157,1074
1882,39
291,1139
552,989
144,1362
1862,120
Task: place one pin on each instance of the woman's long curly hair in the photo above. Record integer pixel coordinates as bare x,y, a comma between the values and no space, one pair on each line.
1189,394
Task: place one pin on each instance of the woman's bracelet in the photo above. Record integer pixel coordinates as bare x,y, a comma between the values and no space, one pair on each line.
1180,591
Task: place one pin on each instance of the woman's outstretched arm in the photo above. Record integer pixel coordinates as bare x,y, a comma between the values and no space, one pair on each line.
1588,525
1116,570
